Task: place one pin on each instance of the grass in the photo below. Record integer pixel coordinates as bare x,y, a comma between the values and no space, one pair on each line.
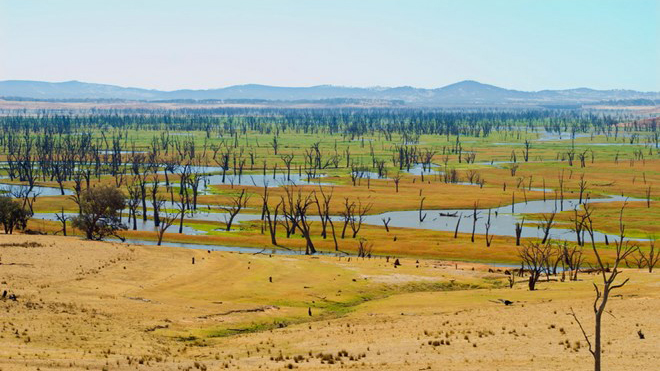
629,176
149,307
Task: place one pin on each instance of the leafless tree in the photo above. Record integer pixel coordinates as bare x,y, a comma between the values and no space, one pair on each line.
302,205
609,276
167,219
289,212
323,207
156,200
62,218
386,223
570,155
546,225
347,215
572,259
489,238
275,144
458,224
528,145
513,169
421,208
397,179
27,194
583,157
181,205
133,203
359,216
364,248
519,229
196,177
270,217
236,204
561,190
223,160
475,216
583,187
650,259
579,221
287,158
472,176
534,257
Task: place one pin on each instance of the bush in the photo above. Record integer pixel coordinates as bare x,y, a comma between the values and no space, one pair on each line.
12,215
100,212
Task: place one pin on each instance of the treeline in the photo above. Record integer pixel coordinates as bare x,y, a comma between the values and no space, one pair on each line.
345,121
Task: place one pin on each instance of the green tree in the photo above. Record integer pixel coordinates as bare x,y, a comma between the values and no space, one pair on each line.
12,215
100,212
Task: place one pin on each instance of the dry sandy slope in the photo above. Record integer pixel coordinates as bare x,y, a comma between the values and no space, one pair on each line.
94,305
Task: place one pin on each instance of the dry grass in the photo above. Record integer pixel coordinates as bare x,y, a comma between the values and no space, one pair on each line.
85,305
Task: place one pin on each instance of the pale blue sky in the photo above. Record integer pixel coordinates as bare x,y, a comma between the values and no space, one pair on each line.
520,44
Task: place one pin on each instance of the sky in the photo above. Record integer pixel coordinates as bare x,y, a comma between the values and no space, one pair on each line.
202,44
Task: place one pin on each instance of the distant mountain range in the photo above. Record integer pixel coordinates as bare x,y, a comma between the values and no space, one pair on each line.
461,93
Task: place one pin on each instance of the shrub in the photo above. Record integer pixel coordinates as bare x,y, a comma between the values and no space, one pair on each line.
99,212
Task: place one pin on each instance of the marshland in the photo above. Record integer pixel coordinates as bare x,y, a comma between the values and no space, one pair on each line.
234,237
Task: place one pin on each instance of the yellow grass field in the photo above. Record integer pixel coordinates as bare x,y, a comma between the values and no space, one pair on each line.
93,305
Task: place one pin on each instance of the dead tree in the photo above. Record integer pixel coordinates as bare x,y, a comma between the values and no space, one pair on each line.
323,208
397,179
133,203
156,201
182,207
572,259
458,224
583,187
421,208
355,214
28,194
579,221
519,229
475,216
386,223
513,169
534,257
653,256
275,144
528,145
270,217
347,215
290,216
223,159
583,157
561,190
287,158
236,204
489,238
302,205
324,212
196,177
609,276
546,225
570,155
167,219
62,218
364,248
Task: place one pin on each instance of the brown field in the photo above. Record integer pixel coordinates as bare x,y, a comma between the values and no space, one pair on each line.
90,305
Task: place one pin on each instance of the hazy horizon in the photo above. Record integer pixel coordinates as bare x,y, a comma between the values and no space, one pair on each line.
312,86
168,45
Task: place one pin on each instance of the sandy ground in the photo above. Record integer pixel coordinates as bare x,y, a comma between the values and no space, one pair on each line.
91,305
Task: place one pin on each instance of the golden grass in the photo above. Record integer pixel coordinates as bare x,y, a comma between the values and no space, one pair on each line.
105,305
